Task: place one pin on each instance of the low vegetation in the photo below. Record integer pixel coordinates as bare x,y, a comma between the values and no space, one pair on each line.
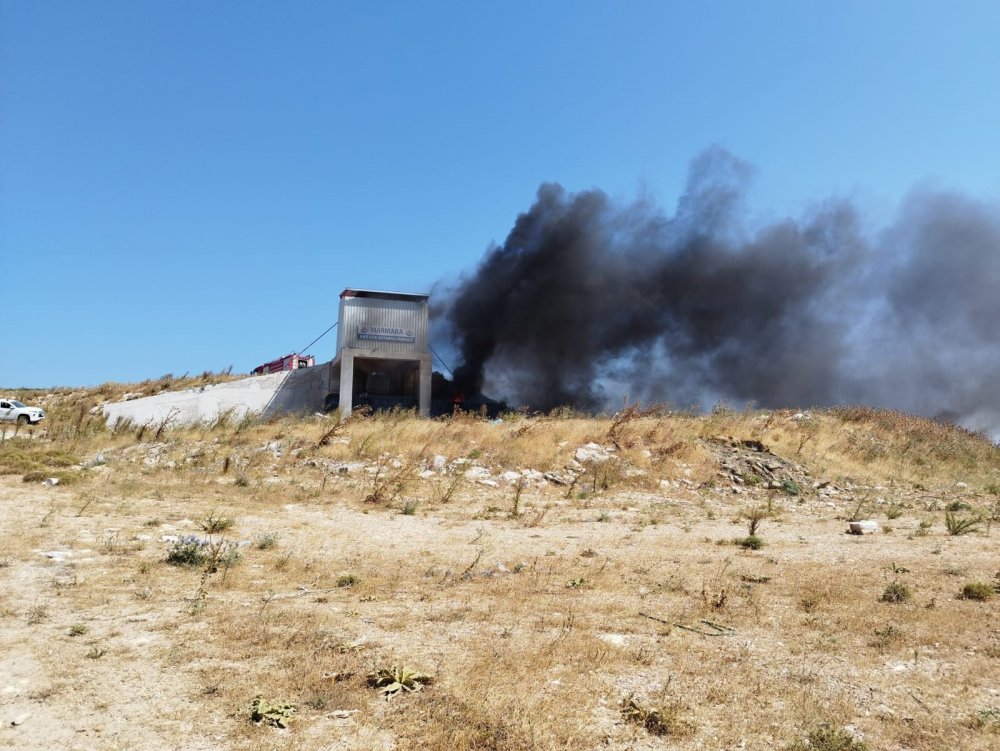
290,575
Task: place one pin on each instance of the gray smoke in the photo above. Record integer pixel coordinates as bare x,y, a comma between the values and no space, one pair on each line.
588,300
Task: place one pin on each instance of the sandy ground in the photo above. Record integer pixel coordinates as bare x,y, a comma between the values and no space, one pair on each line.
561,613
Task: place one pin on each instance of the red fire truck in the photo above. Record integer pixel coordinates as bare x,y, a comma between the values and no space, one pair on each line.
288,362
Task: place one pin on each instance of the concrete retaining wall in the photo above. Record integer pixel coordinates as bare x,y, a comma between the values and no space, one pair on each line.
292,391
304,390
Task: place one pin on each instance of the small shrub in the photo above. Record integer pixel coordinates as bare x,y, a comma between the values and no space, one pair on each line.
276,713
37,614
958,525
394,680
791,487
958,506
77,629
754,517
446,488
189,550
266,541
893,512
409,508
810,602
242,481
389,481
223,555
887,637
347,580
96,653
752,542
896,592
826,738
660,721
986,719
214,524
605,475
41,475
979,591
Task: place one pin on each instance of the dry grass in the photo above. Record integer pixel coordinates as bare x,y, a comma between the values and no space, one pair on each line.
602,613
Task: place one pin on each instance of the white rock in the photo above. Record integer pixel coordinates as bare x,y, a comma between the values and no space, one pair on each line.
477,473
50,481
511,478
439,461
867,527
619,640
427,474
592,453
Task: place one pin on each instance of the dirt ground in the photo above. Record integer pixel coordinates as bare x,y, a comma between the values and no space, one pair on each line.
539,612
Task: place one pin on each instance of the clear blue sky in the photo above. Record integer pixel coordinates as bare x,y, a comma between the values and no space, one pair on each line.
189,185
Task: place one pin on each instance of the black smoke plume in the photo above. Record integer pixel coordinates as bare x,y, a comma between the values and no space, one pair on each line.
588,300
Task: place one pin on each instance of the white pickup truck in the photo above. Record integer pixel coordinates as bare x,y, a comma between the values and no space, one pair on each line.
11,410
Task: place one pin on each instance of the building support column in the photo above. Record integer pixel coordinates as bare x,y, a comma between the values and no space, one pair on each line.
424,395
346,382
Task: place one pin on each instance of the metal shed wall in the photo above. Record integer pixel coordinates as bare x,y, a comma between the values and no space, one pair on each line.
386,325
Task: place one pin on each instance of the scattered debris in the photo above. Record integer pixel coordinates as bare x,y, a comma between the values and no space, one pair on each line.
56,555
714,629
751,463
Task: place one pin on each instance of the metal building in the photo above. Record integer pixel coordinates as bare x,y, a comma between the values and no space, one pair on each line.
383,358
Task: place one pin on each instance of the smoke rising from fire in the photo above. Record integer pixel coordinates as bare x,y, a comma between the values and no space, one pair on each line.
588,299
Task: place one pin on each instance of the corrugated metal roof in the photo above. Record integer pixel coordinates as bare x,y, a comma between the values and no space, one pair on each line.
407,296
